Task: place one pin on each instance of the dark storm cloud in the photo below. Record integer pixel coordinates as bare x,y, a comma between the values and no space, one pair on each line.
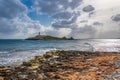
11,8
88,8
63,15
88,29
97,24
61,10
85,32
65,23
116,18
55,6
83,21
91,14
6,27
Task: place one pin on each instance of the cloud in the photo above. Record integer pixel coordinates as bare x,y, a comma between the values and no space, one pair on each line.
55,6
116,18
100,19
58,32
85,18
88,8
14,22
97,24
63,15
77,18
64,12
83,21
87,31
11,8
6,27
65,23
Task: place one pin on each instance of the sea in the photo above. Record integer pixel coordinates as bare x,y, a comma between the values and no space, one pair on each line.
16,51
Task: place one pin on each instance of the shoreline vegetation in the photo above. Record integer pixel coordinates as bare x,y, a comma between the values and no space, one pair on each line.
66,65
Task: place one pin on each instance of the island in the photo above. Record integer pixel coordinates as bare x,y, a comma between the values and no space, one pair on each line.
48,37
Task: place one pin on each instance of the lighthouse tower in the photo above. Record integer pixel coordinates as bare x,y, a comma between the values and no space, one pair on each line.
39,33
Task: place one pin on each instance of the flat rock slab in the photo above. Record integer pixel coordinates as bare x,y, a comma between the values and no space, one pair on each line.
68,65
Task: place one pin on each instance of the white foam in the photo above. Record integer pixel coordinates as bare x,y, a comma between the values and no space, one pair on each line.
21,56
3,52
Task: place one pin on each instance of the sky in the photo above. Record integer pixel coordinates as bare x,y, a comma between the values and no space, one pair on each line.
81,19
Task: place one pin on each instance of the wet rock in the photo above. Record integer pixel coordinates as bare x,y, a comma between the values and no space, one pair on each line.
99,73
40,58
23,76
3,68
117,63
114,76
63,65
1,78
56,53
48,55
53,54
88,59
26,64
111,63
40,77
108,78
33,66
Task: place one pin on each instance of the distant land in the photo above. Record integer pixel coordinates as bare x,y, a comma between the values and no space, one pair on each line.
48,37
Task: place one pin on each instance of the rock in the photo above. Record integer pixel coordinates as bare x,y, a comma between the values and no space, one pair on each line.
40,77
33,66
114,76
1,78
23,76
53,54
117,63
99,73
48,55
34,61
56,53
64,65
3,68
108,78
40,58
26,64
88,59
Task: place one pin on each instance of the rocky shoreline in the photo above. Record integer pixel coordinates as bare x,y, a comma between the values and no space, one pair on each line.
66,65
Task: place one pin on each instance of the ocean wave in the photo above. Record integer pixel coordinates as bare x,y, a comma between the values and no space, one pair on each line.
27,50
20,56
3,52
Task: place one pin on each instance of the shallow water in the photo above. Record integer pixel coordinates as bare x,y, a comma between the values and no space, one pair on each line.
17,51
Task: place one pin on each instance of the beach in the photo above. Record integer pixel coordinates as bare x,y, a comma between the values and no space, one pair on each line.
66,65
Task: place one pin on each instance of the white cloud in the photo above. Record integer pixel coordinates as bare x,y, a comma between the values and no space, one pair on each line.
14,22
11,8
72,13
104,10
70,19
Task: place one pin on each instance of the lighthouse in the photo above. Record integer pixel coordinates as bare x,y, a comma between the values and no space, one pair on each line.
39,33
